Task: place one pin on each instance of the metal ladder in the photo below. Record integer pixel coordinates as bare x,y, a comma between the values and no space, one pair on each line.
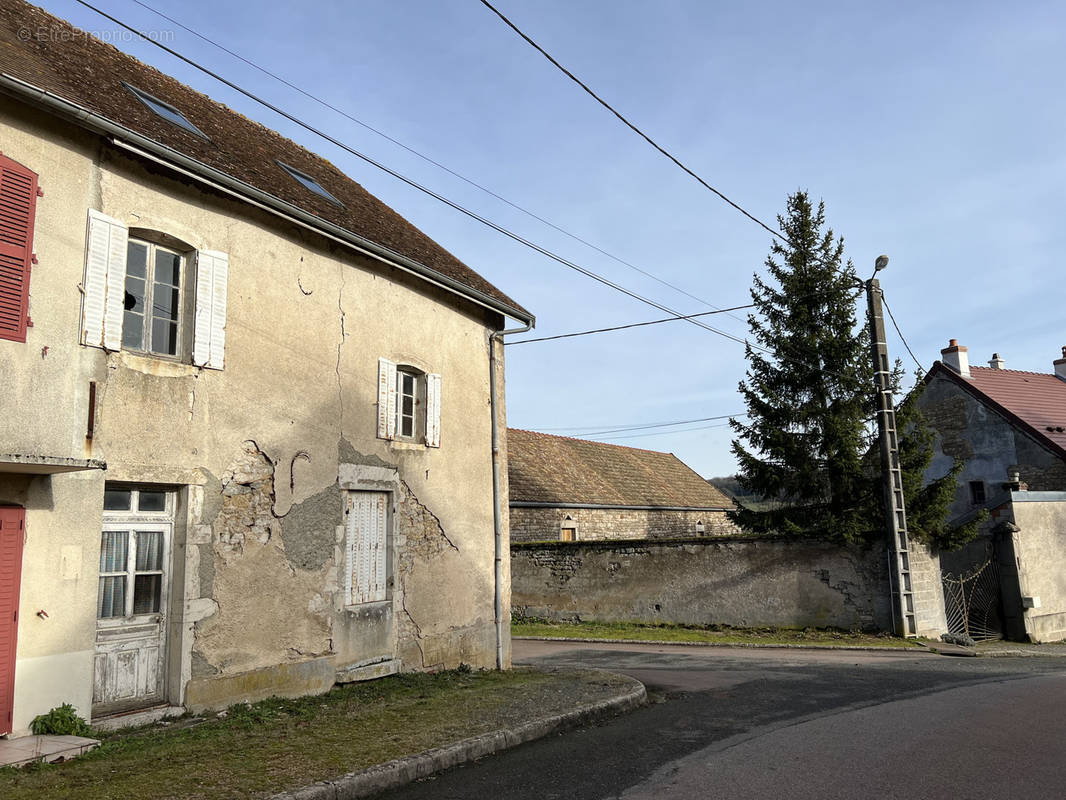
896,514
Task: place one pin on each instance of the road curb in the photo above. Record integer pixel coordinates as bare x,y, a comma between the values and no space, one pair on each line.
753,645
402,771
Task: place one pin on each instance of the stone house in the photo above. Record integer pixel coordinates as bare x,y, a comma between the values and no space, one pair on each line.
564,489
249,411
1005,425
1008,427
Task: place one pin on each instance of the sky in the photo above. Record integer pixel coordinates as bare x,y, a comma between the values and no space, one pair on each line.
933,132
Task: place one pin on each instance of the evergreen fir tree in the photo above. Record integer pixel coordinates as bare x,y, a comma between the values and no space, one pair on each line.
808,388
809,443
927,505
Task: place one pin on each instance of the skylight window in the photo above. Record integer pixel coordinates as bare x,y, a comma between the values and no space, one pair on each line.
309,183
164,110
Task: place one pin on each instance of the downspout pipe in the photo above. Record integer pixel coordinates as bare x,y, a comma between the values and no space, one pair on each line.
497,500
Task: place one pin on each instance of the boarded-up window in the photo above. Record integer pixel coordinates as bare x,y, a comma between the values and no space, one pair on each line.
367,562
18,204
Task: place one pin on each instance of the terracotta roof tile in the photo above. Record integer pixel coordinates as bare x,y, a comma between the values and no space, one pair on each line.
544,468
90,73
1037,398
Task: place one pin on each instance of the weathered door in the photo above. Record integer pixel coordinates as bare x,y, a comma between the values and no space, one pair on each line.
129,669
12,523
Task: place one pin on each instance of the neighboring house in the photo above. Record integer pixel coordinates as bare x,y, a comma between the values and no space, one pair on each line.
246,440
573,489
1008,427
1005,425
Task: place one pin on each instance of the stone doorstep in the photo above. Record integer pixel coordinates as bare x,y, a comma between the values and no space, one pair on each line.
137,716
27,749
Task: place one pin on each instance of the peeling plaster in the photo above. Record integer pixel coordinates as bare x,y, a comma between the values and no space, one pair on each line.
308,531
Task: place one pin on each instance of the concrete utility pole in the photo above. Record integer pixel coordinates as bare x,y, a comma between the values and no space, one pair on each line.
895,513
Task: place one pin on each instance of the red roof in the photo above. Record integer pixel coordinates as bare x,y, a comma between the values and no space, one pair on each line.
1035,400
48,53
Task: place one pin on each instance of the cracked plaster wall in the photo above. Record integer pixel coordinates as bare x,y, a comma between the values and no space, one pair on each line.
306,323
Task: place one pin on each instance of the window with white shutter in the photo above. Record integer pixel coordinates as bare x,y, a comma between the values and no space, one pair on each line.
209,335
409,402
103,289
134,295
386,399
367,562
18,205
433,410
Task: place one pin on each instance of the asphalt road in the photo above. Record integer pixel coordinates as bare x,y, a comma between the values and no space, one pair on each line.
769,723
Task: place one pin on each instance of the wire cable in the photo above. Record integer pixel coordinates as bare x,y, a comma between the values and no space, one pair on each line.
901,336
631,325
414,184
648,426
629,124
450,203
426,158
658,433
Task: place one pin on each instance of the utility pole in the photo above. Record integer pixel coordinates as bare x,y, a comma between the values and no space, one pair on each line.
895,512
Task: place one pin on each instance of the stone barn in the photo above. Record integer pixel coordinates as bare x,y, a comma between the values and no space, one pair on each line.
564,489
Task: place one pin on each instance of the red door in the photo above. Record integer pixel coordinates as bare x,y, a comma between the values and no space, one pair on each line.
11,536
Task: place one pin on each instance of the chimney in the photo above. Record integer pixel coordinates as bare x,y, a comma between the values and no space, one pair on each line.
955,356
997,362
1060,365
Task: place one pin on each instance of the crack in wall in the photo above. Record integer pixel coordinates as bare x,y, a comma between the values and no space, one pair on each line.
421,507
340,347
418,629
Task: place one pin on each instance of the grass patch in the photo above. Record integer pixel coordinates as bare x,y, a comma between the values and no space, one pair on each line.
718,634
257,750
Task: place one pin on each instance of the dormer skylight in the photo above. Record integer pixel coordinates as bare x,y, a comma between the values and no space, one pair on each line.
164,110
309,183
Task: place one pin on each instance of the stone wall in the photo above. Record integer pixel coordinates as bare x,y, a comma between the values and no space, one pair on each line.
738,581
597,524
986,442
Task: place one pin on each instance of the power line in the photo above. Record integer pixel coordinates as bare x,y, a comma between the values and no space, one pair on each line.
901,337
450,203
414,184
659,425
631,325
629,124
659,433
424,157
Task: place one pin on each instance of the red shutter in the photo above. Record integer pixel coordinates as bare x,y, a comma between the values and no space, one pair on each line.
18,200
11,537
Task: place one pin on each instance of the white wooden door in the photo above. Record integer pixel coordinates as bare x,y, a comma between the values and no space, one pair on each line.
129,669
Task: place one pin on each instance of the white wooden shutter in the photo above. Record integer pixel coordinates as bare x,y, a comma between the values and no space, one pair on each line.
104,285
433,410
386,399
366,564
209,332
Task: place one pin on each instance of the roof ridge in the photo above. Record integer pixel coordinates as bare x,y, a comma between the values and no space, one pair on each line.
1017,371
593,441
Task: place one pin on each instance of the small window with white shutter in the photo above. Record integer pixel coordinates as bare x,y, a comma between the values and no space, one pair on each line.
146,292
409,404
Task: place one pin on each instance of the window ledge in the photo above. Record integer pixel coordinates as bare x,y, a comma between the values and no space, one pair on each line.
397,444
149,365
